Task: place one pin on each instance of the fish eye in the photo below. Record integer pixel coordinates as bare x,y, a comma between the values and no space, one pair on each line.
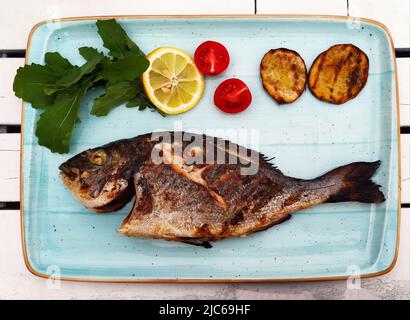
98,157
85,175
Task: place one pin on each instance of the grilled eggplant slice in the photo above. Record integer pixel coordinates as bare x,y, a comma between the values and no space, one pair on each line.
284,74
339,74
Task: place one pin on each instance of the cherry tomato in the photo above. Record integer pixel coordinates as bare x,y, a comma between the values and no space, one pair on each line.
211,58
232,96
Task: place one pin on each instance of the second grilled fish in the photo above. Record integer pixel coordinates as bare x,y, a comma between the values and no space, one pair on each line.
200,201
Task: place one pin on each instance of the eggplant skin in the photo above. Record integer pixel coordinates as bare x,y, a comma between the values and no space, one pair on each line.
338,74
283,74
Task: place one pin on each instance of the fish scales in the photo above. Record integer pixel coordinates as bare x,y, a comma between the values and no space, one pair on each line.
186,197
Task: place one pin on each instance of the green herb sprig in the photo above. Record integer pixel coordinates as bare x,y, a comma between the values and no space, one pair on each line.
58,86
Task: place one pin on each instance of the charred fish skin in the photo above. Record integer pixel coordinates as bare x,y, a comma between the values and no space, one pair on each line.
100,178
221,203
189,199
256,204
344,184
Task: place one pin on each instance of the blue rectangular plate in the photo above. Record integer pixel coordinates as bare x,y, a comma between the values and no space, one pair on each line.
307,137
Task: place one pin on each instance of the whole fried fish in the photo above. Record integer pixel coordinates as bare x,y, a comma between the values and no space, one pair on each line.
197,190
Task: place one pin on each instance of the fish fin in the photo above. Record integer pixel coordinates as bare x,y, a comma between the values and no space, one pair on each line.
195,242
356,183
268,160
262,157
283,219
118,202
143,202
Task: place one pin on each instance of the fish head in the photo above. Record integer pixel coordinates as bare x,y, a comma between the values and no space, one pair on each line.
99,178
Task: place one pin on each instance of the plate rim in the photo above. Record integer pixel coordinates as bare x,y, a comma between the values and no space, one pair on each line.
378,24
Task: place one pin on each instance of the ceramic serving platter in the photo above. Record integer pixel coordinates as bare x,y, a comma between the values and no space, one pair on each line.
307,138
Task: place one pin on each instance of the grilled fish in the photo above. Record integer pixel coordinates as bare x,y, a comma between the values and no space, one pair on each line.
198,192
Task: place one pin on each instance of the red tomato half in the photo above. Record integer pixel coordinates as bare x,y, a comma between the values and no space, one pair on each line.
211,58
232,96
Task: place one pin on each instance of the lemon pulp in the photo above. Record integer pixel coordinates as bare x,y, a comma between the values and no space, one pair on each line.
172,82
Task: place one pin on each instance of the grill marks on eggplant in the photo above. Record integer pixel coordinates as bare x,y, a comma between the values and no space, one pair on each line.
336,76
339,74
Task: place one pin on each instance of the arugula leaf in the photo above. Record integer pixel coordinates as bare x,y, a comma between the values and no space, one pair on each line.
75,74
139,101
127,68
89,53
78,72
116,94
59,86
116,39
29,84
57,63
56,124
142,102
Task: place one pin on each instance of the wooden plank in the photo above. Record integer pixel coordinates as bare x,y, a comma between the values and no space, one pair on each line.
394,285
405,115
393,13
18,283
403,73
10,159
9,167
405,168
22,15
334,7
10,105
402,269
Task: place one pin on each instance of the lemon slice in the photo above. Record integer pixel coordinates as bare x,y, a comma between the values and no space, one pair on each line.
172,81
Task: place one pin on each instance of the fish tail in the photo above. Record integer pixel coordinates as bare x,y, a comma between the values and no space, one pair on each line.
356,183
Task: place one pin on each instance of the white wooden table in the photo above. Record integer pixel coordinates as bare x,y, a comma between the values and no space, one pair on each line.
19,16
